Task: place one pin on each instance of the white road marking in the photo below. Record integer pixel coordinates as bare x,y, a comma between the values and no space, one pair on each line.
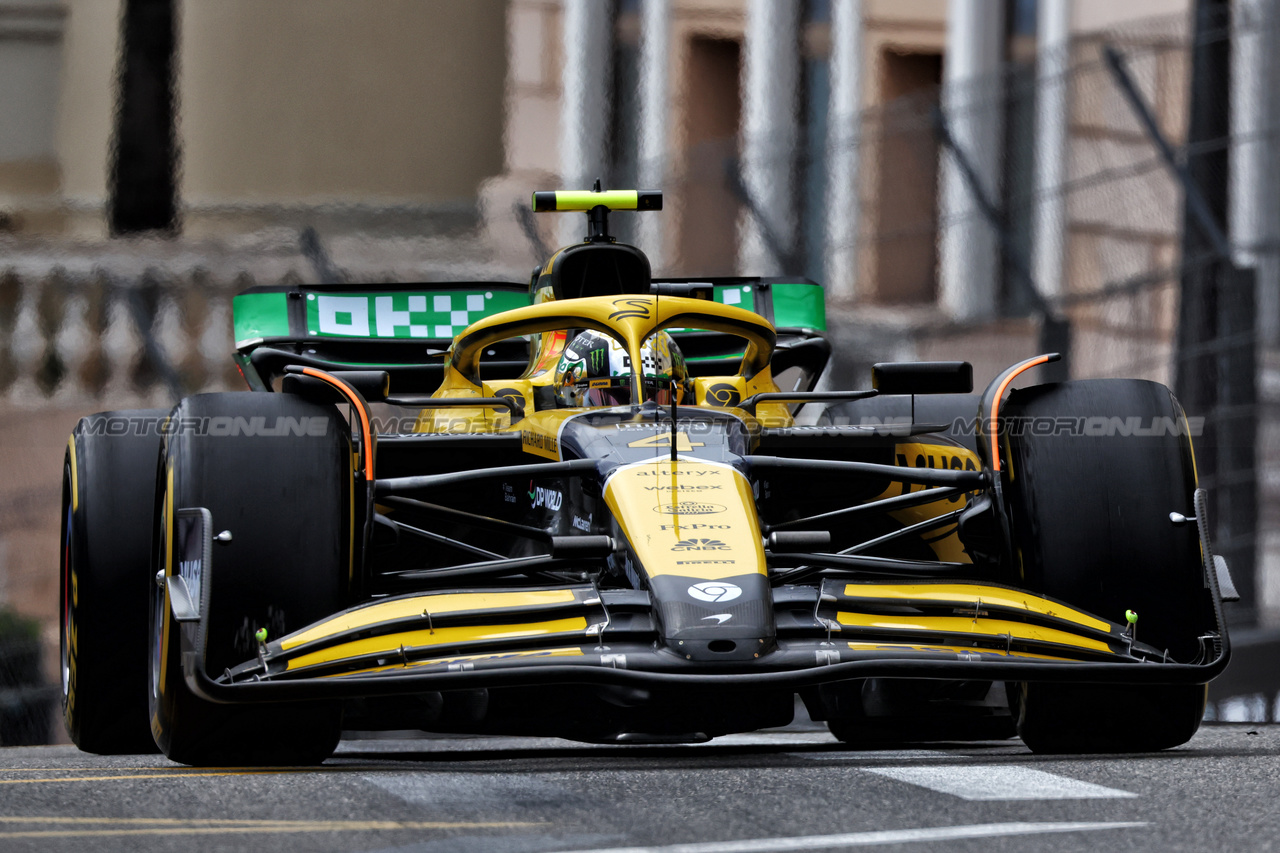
773,739
455,789
868,839
998,782
864,754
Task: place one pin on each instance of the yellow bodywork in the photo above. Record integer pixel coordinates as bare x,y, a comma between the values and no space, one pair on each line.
629,319
973,596
563,652
436,604
945,542
687,518
984,627
392,644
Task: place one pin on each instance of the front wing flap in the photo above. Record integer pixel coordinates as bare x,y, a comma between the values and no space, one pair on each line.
578,634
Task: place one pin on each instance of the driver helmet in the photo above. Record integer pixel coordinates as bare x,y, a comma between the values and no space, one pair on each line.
595,370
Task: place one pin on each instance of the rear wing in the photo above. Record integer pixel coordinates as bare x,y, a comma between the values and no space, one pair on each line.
406,329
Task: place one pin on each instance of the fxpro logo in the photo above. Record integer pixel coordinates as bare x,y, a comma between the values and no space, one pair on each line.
549,498
700,545
694,526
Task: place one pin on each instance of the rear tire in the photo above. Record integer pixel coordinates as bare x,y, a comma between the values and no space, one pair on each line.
105,560
287,501
1090,516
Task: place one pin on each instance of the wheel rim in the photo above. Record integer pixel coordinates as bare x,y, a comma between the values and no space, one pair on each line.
157,599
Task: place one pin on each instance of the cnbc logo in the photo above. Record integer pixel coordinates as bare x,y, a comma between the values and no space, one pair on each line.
700,545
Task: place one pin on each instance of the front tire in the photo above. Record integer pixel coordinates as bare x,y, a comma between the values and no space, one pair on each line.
288,502
1090,514
104,573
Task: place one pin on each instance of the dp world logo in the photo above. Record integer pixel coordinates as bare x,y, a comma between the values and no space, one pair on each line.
715,591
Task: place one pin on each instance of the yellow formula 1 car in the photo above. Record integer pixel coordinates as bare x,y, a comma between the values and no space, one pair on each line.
583,508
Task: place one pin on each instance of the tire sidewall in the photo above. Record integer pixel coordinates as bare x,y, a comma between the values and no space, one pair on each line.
103,567
264,577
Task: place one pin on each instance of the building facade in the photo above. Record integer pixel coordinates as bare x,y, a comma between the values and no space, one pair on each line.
371,108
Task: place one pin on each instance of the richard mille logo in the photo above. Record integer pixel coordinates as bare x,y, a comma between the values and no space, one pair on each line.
715,591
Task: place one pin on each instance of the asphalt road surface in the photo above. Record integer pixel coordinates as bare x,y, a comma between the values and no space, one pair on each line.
773,791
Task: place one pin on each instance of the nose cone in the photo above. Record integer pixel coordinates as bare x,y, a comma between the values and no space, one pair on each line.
730,619
693,529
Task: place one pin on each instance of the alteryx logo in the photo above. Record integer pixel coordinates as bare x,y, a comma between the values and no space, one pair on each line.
549,498
700,545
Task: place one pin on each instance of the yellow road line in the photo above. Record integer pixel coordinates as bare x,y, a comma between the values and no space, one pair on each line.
247,823
104,769
175,775
197,827
179,772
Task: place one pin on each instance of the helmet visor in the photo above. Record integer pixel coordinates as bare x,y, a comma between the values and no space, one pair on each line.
616,391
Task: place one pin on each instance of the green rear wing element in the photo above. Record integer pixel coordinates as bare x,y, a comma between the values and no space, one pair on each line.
406,329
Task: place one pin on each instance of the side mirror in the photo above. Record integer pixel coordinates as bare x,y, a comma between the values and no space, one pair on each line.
922,377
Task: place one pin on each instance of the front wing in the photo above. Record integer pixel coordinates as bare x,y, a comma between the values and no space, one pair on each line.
579,634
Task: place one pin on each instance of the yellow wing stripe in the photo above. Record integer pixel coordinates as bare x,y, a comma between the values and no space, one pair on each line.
425,638
908,647
967,625
567,651
970,595
402,608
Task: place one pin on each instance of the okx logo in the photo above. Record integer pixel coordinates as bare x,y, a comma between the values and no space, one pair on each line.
700,545
549,498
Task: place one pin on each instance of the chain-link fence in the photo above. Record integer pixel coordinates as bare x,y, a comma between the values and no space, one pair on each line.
1115,255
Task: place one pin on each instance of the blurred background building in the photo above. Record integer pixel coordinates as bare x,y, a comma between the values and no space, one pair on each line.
971,179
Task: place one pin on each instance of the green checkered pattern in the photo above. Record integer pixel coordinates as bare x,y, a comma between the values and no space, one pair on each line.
403,315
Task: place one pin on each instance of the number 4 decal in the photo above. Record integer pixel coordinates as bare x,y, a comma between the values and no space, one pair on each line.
664,440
